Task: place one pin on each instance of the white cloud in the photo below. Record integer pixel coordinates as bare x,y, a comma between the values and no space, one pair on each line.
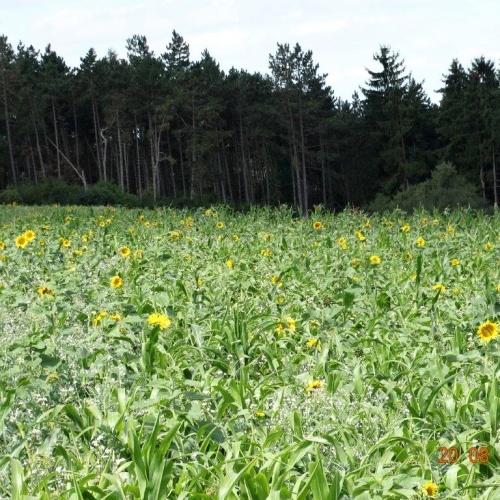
319,27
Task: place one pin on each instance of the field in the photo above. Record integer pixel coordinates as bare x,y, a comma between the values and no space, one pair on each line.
212,354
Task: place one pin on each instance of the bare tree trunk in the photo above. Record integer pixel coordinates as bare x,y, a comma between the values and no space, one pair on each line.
7,126
33,163
172,164
138,163
244,163
305,205
80,173
495,188
221,176
155,139
56,138
483,182
323,169
104,154
38,148
76,136
181,154
193,152
295,162
120,157
125,163
228,176
97,133
292,167
266,167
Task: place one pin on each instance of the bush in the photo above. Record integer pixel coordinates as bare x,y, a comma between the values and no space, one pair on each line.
107,193
446,188
10,195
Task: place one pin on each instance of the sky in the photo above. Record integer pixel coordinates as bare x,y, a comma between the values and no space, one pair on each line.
342,35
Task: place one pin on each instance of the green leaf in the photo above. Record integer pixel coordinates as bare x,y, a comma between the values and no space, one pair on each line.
18,488
319,485
348,299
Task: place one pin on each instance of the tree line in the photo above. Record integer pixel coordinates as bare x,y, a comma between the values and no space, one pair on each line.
170,128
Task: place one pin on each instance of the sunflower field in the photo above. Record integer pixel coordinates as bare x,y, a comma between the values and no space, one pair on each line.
211,354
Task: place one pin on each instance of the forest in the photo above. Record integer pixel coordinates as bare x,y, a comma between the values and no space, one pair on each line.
165,128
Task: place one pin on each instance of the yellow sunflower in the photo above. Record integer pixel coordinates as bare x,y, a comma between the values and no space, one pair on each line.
124,251
315,384
30,235
314,343
21,241
162,320
430,489
116,282
487,331
45,290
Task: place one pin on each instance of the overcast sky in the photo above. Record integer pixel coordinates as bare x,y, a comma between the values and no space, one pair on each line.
343,35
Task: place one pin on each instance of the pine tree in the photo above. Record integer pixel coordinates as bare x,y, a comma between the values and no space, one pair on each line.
298,86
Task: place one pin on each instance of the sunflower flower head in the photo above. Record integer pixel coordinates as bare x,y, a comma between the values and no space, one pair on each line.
342,243
317,225
45,290
116,282
430,489
99,318
30,235
21,241
360,236
314,385
487,331
314,343
174,236
158,319
124,252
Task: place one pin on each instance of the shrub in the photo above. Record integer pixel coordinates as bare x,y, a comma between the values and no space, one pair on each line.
446,188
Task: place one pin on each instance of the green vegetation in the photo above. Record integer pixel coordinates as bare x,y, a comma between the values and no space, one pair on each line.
445,189
209,354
